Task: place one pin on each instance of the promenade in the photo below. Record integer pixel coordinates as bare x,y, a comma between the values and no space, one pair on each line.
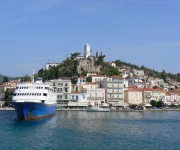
6,108
112,110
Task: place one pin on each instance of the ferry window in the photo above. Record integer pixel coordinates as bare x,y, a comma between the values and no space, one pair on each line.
41,87
27,93
17,87
44,94
35,94
32,93
14,94
47,88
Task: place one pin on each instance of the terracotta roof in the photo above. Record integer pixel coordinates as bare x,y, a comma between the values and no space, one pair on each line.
98,76
119,77
133,90
88,83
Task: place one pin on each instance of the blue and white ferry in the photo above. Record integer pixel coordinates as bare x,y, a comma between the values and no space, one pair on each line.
34,100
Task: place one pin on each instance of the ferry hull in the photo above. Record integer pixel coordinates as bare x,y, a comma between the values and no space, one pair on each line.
33,111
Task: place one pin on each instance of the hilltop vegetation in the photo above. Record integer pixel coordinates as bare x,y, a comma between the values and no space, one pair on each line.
151,72
68,68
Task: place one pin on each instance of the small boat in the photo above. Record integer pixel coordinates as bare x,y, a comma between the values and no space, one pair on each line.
34,100
99,108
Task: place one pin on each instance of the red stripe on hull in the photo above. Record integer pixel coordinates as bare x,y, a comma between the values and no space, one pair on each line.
35,117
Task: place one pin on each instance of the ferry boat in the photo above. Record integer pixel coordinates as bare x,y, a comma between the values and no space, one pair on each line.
34,100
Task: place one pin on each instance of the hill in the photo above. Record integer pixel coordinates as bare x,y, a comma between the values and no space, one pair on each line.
10,78
151,72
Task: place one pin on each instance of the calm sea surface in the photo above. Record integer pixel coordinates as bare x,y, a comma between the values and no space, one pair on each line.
76,130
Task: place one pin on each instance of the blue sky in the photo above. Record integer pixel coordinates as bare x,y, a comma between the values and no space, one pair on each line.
142,32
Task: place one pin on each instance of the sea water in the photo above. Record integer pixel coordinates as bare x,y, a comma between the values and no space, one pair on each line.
81,130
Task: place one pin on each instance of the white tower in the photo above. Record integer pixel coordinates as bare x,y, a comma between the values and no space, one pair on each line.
86,51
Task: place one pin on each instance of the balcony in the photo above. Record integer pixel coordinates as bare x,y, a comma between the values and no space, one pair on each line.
59,85
115,87
74,100
95,98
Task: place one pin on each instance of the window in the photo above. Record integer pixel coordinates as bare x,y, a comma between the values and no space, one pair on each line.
44,94
47,88
76,97
66,89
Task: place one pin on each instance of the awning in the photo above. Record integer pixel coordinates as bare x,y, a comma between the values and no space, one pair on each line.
175,104
104,104
120,104
133,104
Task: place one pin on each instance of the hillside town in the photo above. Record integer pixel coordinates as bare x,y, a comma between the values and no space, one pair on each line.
130,89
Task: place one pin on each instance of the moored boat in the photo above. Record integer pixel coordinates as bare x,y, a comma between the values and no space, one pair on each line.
99,108
34,100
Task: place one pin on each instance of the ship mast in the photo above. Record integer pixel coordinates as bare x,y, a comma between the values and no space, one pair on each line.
32,77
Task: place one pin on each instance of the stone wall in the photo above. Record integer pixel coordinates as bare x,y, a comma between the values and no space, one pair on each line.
89,65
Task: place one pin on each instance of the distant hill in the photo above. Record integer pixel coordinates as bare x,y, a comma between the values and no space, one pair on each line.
151,72
10,78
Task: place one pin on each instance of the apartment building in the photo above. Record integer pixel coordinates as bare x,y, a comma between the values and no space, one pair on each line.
114,87
63,89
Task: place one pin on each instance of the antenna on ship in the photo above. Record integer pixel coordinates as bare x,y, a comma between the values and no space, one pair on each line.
32,77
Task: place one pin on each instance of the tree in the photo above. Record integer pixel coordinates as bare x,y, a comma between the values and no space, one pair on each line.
100,60
89,79
153,103
26,78
155,87
5,79
160,103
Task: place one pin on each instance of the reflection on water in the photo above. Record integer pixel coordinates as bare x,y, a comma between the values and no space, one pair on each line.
92,130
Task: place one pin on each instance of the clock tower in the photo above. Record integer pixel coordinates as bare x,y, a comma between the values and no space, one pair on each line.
87,50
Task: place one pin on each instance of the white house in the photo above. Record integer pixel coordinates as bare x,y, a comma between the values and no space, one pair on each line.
48,65
78,100
98,78
95,95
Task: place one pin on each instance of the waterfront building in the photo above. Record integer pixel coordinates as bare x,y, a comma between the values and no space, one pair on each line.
95,95
63,89
133,96
172,97
153,94
78,100
8,89
114,87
